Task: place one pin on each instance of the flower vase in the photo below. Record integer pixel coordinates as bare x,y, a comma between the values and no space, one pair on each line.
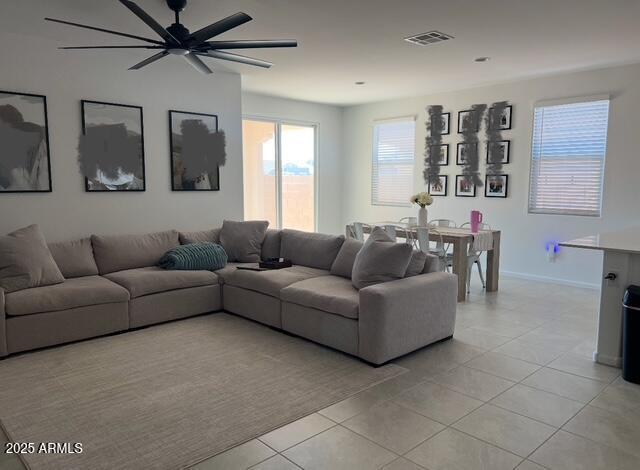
422,217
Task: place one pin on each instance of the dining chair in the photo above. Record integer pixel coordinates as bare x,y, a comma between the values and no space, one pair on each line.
357,230
473,257
442,250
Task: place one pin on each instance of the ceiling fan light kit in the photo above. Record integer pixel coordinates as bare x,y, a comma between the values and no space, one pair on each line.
179,41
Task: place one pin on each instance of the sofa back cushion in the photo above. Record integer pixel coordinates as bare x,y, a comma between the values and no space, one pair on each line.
25,261
243,240
381,259
202,236
416,263
343,264
271,244
74,258
316,250
118,252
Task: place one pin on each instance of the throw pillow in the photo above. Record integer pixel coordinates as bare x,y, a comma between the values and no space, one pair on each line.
25,261
416,264
343,264
243,240
381,259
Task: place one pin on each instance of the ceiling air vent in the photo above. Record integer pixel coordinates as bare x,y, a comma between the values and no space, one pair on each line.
431,37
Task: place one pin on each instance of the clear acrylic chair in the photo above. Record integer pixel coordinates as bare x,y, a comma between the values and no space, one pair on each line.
441,249
357,230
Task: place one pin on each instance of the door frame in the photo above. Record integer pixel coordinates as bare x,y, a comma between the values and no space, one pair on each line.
279,122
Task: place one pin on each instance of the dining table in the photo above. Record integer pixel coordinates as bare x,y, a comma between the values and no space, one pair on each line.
460,239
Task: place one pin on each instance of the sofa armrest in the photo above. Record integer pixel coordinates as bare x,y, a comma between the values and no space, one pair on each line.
400,316
3,326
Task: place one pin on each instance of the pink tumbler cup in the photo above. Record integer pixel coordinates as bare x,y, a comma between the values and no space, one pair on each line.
476,219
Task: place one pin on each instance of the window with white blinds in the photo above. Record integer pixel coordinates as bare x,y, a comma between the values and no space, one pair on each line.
393,162
567,158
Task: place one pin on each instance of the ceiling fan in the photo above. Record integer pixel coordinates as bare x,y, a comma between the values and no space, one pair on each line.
177,40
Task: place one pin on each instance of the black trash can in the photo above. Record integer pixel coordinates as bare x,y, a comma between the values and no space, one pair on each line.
631,335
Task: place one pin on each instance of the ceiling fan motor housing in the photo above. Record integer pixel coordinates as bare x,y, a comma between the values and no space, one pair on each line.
177,5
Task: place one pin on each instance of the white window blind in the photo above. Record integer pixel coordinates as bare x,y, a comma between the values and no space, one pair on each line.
567,158
393,162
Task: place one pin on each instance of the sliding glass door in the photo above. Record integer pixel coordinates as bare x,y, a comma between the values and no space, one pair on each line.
279,173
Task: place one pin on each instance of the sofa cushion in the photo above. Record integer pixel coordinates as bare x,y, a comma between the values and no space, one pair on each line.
225,272
416,263
381,259
152,279
25,261
333,294
316,250
343,264
120,252
271,244
72,293
243,240
271,282
74,257
201,236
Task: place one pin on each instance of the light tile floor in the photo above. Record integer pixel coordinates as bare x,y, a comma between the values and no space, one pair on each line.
515,388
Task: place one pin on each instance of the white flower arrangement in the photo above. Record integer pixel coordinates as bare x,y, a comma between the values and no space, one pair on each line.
422,199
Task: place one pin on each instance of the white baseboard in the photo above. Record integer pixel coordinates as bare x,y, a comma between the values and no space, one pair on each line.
607,360
553,280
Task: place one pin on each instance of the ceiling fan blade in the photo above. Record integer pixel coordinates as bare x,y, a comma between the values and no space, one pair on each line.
219,27
150,60
153,24
252,44
197,63
238,58
105,31
112,47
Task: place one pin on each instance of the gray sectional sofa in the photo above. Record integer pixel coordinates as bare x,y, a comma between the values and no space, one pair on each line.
112,284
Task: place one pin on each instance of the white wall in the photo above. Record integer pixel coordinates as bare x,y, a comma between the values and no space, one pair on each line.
524,236
66,78
330,161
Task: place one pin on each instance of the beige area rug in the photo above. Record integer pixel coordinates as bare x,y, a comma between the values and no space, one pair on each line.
171,395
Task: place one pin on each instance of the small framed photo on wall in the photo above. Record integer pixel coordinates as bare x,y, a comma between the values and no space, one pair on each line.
465,187
464,151
438,186
468,121
498,151
440,154
496,185
500,119
444,125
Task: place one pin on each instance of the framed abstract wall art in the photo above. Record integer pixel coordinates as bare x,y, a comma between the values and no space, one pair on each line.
25,165
111,150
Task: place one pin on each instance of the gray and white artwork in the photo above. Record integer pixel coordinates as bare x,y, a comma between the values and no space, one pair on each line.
24,144
197,151
111,149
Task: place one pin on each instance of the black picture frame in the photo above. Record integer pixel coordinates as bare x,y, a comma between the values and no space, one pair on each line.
444,191
45,111
460,147
174,156
488,186
506,158
87,188
447,130
508,119
461,115
435,148
458,193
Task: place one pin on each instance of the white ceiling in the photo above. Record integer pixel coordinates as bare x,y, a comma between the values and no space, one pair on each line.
344,41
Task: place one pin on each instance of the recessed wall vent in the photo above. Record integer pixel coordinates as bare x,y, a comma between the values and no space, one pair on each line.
425,39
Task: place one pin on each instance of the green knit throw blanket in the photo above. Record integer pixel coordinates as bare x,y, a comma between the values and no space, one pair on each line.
204,256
